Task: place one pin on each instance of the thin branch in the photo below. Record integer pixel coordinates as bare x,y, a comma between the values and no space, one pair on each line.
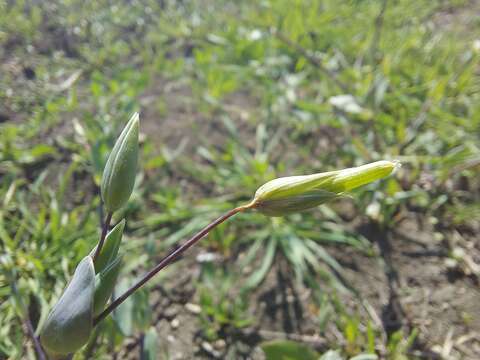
105,227
168,260
311,58
28,322
36,343
92,343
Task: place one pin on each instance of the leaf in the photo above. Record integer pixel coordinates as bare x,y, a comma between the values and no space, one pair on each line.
346,103
323,255
42,150
110,248
331,355
70,322
104,285
142,311
365,357
258,276
123,315
150,345
287,350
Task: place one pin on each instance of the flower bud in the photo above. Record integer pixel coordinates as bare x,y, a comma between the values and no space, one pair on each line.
69,324
119,173
297,193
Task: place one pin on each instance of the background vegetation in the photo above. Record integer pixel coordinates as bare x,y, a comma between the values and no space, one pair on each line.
231,95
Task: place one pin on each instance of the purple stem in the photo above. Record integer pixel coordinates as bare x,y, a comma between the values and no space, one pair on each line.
166,261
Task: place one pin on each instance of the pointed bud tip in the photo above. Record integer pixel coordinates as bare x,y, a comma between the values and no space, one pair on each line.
389,165
397,165
135,118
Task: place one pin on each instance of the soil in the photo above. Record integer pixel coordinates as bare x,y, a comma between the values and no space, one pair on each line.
408,286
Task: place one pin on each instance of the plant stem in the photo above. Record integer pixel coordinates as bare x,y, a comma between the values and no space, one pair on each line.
168,260
36,342
28,323
92,343
105,227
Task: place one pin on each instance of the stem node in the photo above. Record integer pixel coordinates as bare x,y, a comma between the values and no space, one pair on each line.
105,227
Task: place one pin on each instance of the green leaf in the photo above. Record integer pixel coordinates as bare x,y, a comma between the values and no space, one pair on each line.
123,315
104,285
331,355
365,357
287,350
150,345
70,322
258,276
110,248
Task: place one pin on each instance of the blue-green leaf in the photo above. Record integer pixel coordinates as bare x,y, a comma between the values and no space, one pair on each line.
109,250
287,350
70,322
104,285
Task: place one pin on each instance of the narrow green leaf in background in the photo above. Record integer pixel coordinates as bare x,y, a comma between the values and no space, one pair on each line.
287,350
150,345
331,355
365,357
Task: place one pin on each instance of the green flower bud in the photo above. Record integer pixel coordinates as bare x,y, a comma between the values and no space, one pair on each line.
104,284
110,248
297,193
119,173
70,322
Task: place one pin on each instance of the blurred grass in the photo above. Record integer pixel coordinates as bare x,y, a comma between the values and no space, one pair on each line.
263,89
